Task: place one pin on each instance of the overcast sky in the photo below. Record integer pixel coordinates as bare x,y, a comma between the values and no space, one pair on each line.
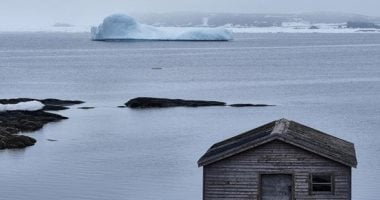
32,12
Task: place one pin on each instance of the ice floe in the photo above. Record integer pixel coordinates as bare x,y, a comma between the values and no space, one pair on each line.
124,27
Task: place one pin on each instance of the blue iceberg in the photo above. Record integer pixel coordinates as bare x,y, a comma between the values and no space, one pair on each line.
124,27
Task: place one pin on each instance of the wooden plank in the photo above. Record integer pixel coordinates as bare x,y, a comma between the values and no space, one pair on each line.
238,177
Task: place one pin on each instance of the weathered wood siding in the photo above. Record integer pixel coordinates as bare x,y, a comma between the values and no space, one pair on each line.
238,177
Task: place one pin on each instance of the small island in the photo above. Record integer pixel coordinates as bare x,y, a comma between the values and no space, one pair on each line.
153,102
24,115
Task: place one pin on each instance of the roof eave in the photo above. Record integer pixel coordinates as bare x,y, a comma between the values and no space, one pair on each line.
289,141
207,161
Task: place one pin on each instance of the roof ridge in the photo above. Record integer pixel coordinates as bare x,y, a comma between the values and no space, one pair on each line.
288,131
281,126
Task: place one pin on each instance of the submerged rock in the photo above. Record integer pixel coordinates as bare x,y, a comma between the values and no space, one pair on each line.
86,107
54,108
150,102
249,105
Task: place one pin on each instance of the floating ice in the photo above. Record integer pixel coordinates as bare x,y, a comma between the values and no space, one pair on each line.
124,27
28,106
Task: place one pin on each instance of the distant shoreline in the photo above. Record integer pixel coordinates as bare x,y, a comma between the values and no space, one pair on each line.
234,30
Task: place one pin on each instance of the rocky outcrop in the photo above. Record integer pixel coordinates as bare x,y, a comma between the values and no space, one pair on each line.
9,141
54,108
17,121
50,104
14,122
27,121
150,102
59,102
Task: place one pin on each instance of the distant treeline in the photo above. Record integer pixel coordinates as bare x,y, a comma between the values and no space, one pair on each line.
258,20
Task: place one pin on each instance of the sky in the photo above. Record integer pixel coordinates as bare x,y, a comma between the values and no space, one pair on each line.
31,13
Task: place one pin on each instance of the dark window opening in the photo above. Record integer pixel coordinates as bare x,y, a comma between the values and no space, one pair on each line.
321,183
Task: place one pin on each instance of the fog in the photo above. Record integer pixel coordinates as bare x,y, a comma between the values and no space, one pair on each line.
29,13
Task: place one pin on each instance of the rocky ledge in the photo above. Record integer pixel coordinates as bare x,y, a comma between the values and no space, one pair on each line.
152,102
50,104
9,141
16,121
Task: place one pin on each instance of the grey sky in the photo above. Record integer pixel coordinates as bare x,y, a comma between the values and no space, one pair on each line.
29,12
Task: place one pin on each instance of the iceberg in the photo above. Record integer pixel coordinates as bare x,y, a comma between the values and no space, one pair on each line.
124,27
24,106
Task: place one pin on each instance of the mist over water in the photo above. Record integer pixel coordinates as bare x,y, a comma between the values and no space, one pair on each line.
327,81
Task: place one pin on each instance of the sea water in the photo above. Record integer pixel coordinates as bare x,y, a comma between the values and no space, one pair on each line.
327,81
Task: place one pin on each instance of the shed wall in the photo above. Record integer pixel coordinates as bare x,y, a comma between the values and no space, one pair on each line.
238,177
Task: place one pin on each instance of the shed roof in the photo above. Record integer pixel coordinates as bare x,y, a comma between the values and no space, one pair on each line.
287,131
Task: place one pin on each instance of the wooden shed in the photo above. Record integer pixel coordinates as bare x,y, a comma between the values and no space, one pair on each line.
280,160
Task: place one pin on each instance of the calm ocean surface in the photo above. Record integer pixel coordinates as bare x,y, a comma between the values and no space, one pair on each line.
327,81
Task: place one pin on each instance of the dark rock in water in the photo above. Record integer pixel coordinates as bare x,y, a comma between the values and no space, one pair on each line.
249,105
58,102
54,108
51,140
150,102
9,141
122,107
27,120
14,101
13,122
47,102
86,107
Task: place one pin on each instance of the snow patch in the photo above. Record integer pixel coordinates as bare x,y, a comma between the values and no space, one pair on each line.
124,27
26,106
